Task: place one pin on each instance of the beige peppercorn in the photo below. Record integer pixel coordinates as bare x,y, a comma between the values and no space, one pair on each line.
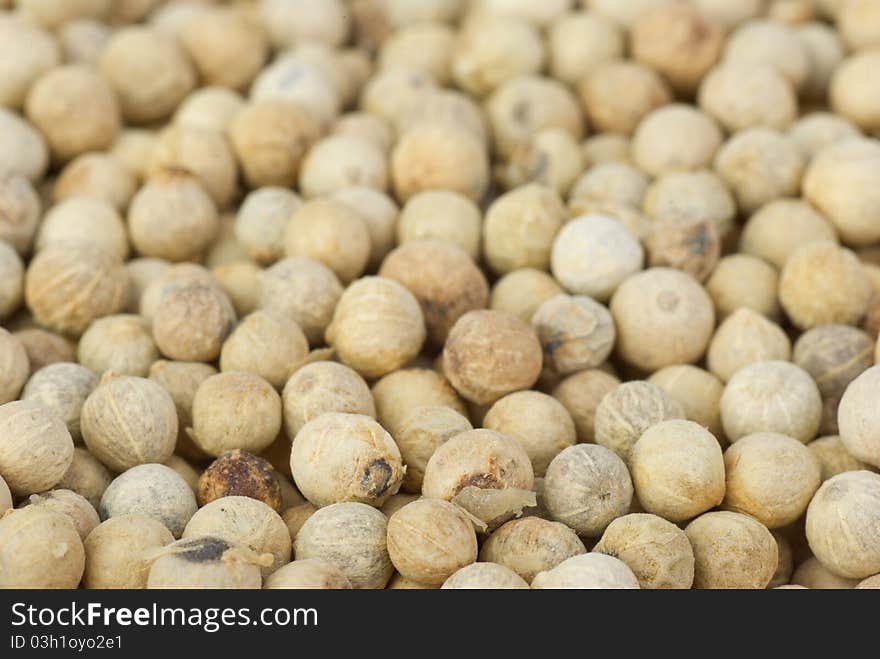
771,396
181,380
732,550
778,229
818,130
580,41
44,348
379,212
127,421
402,391
628,410
86,476
241,281
687,244
212,108
262,220
770,42
25,152
308,574
153,490
842,183
581,394
205,562
97,175
149,71
588,571
521,292
77,508
40,548
859,428
19,210
771,477
122,344
743,338
15,367
266,345
484,576
422,431
117,550
823,284
663,317
744,281
657,551
812,574
94,284
531,545
760,165
834,355
770,102
859,24
833,457
611,182
27,52
576,333
84,221
852,92
586,487
185,470
233,410
441,215
62,388
697,391
340,457
191,321
826,51
657,143
304,291
840,524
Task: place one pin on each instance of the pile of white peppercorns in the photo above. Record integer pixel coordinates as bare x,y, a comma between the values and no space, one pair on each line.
439,293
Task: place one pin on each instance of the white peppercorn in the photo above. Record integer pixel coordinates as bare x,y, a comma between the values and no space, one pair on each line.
611,181
153,490
422,431
77,508
120,343
857,419
212,108
181,380
743,338
19,210
579,41
83,220
826,51
744,281
379,213
581,394
833,457
27,51
770,102
24,150
86,476
205,562
288,22
405,390
97,175
117,549
852,92
696,196
531,545
425,47
779,228
62,388
308,574
812,574
697,391
484,576
521,292
588,571
40,548
834,355
576,333
292,81
628,410
818,130
266,345
14,366
191,321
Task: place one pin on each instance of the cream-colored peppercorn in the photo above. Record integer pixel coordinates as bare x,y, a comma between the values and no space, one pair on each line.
859,427
341,161
537,421
732,550
694,196
296,516
444,280
430,539
580,41
262,220
149,72
86,476
377,326
833,457
819,130
834,355
521,292
581,394
588,571
612,181
27,52
424,47
852,92
785,567
181,380
842,182
760,165
840,524
185,470
245,521
771,477
127,421
205,562
400,392
485,576
678,41
687,244
422,431
322,387
69,286
576,333
191,321
97,175
266,345
25,153
629,410
744,281
552,157
778,229
44,348
771,396
859,24
489,354
574,481
5,496
826,51
40,548
19,210
871,583
35,447
527,104
842,296
678,470
153,490
745,337
617,94
308,574
62,388
15,367
75,110
531,545
367,126
663,317
441,215
592,255
233,410
770,102
697,391
172,217
812,574
117,550
213,108
77,508
294,79
341,457
121,344
133,147
315,229
304,291
658,552
379,212
85,221
351,536
241,281
238,473
657,143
